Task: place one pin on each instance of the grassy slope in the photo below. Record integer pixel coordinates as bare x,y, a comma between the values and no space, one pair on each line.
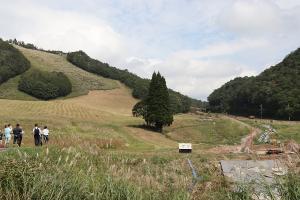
104,117
286,130
96,118
82,81
207,129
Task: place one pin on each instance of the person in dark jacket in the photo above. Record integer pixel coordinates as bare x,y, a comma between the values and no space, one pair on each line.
37,135
18,135
15,133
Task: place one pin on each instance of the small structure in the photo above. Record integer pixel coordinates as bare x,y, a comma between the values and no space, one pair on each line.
185,147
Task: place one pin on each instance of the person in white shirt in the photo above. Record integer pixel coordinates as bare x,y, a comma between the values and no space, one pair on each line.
45,133
37,135
7,132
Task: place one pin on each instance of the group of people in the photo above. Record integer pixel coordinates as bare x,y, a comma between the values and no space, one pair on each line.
39,135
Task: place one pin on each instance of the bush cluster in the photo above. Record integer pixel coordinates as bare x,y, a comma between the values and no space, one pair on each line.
45,85
12,62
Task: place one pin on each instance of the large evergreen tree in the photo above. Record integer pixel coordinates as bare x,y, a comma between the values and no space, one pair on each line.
156,109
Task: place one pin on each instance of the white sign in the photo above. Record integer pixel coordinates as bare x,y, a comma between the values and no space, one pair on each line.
185,145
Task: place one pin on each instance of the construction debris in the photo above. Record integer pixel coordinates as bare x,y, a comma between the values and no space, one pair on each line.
265,136
273,151
251,170
292,146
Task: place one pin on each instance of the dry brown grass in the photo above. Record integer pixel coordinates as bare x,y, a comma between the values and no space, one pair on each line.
96,118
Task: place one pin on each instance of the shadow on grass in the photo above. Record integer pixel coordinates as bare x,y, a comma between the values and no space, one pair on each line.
145,127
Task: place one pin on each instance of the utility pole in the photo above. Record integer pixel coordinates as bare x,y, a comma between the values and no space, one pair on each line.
261,110
289,112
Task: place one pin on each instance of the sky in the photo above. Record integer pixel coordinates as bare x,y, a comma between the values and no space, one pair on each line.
197,45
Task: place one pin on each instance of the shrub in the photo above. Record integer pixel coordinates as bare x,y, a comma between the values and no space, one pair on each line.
12,62
45,85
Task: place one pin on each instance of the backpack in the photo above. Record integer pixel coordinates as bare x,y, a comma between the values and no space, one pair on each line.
15,131
36,131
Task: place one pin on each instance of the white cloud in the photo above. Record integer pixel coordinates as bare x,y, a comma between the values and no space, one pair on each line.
62,30
196,45
262,19
252,17
194,72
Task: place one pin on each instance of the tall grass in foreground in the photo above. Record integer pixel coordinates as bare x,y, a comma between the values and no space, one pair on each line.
69,175
286,188
92,173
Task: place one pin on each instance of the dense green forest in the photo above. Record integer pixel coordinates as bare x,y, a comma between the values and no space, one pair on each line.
12,62
179,103
275,93
45,85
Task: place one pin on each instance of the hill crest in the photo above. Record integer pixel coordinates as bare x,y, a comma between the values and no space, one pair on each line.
274,93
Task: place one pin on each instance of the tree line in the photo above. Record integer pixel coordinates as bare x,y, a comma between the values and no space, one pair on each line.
12,62
275,93
179,103
33,47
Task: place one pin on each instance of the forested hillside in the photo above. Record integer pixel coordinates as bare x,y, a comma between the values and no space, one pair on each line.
275,93
12,62
179,103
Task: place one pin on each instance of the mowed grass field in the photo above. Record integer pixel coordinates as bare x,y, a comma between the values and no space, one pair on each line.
81,80
104,118
101,118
